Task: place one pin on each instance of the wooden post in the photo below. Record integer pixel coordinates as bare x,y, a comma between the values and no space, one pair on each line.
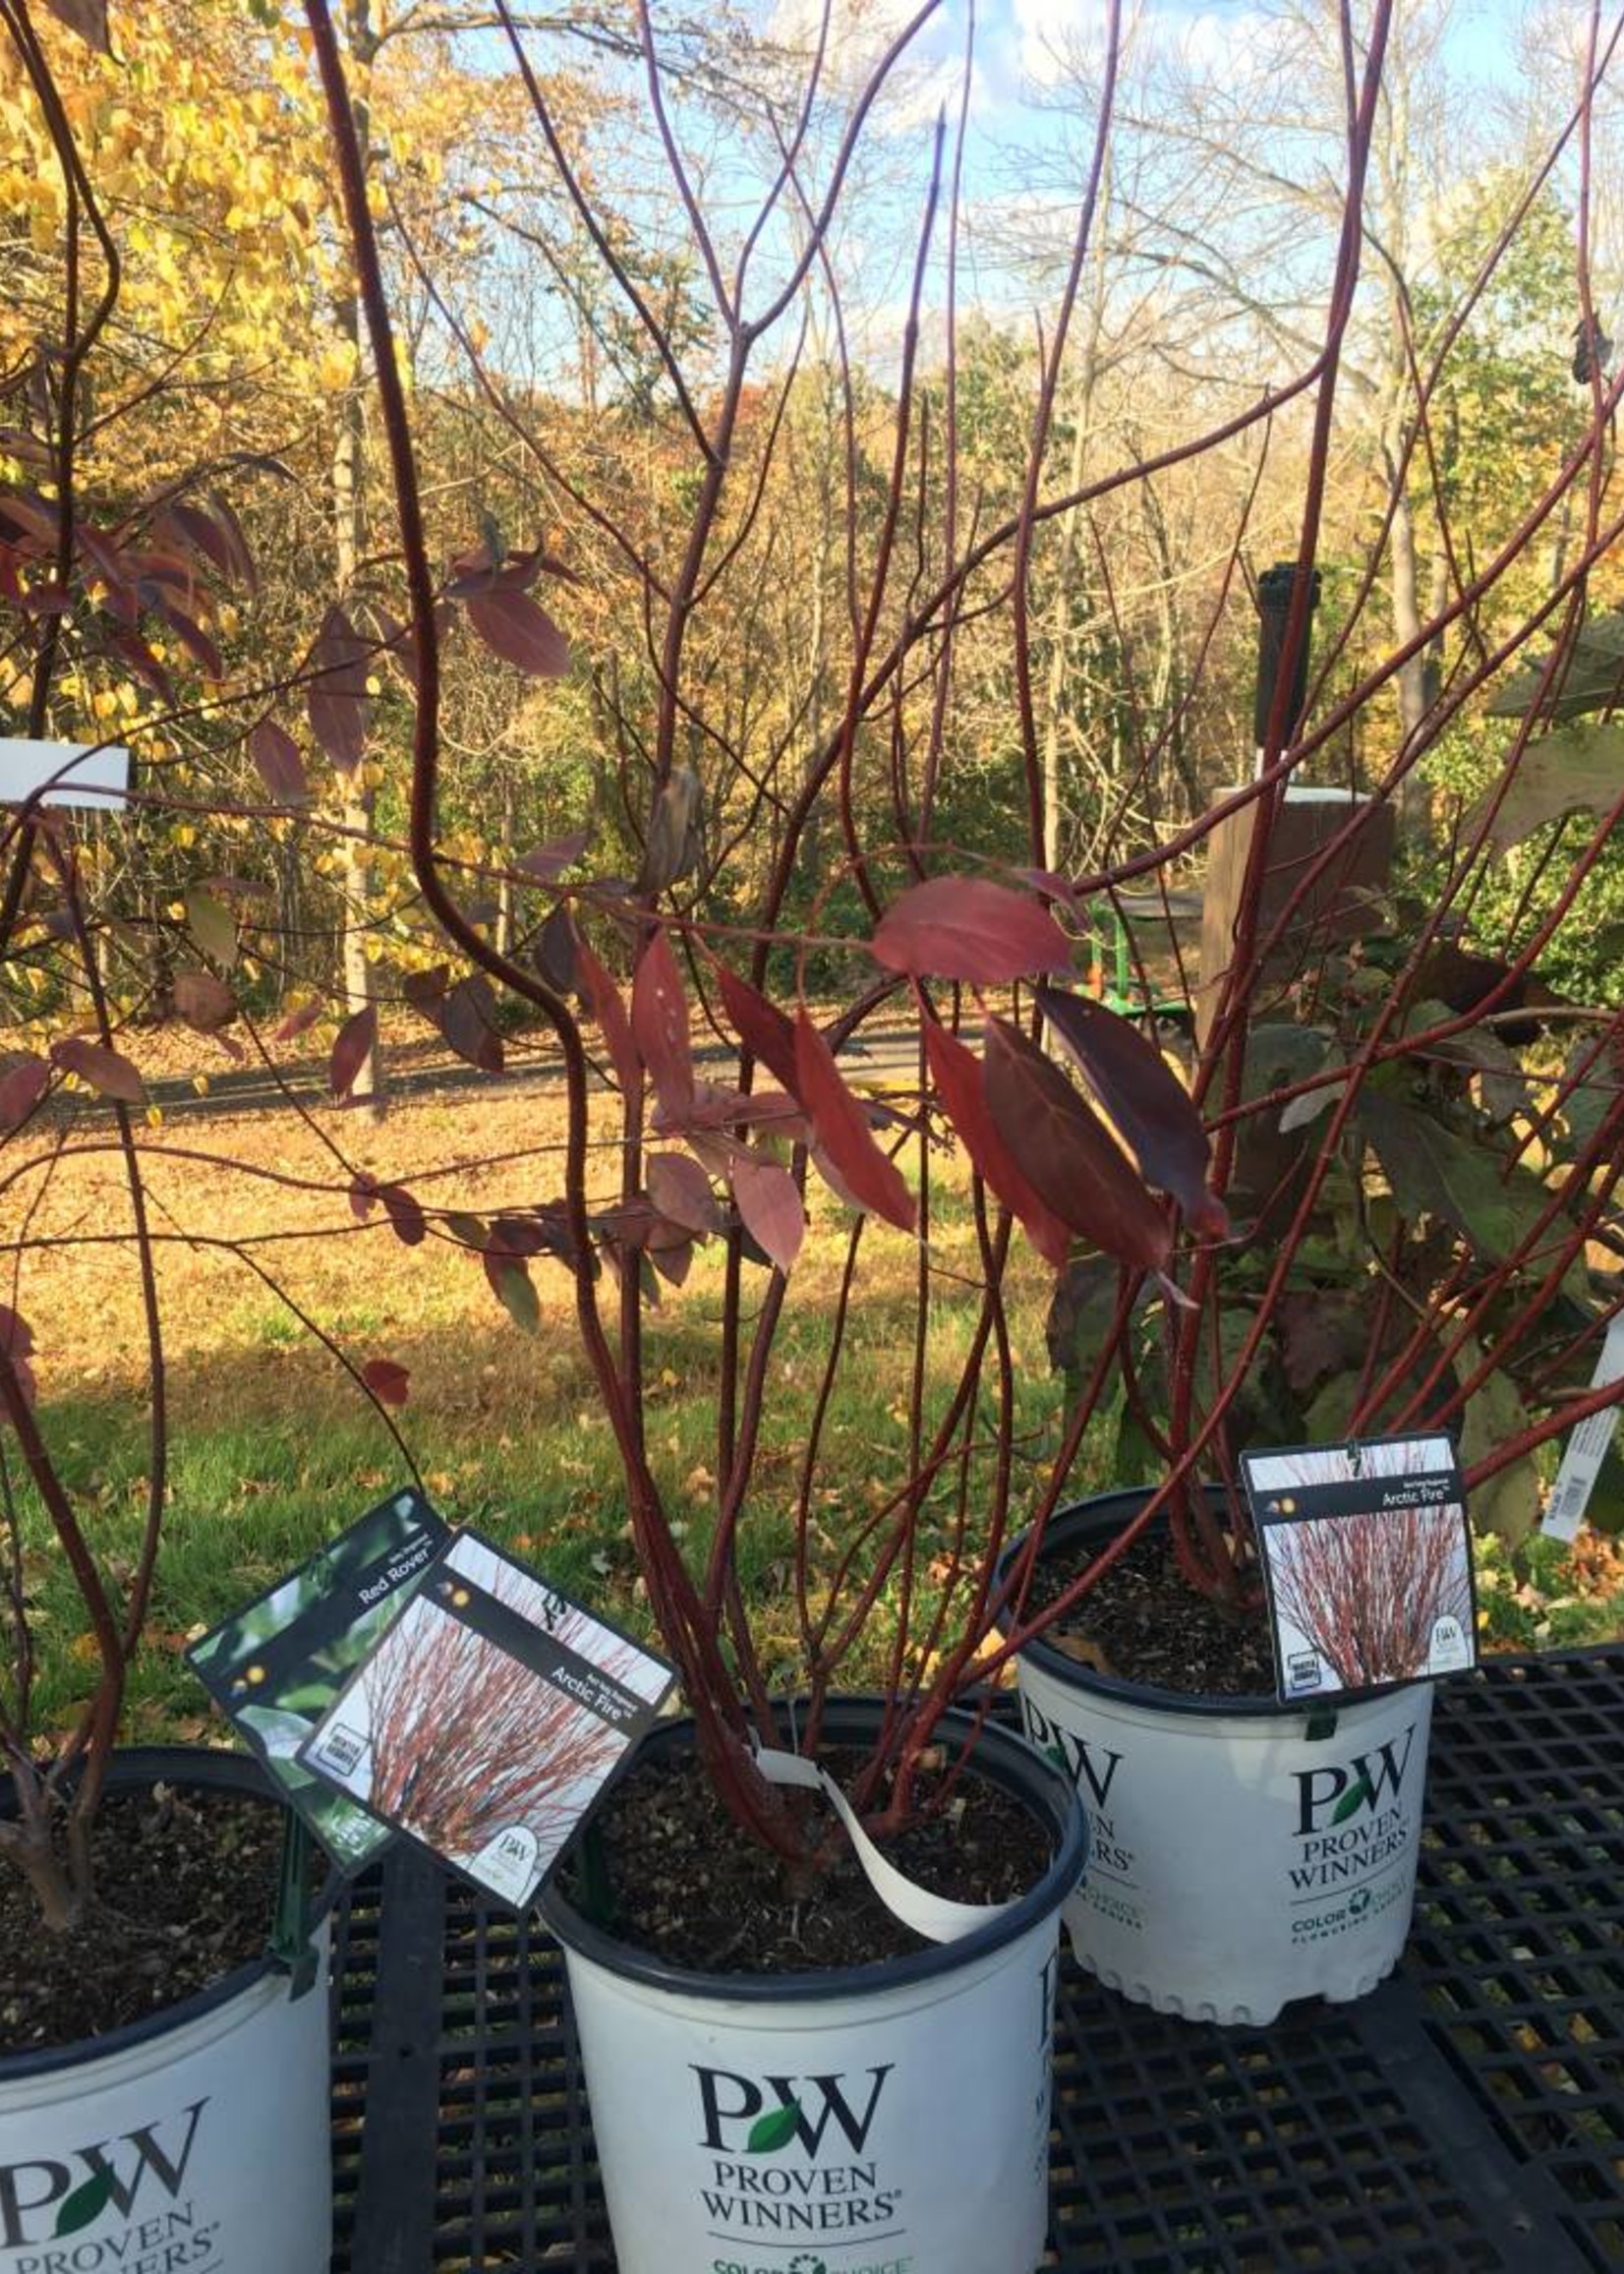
1337,908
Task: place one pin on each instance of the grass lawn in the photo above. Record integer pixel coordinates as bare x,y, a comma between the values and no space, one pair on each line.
273,1449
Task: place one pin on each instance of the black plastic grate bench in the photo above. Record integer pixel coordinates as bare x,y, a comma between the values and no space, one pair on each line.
1466,2118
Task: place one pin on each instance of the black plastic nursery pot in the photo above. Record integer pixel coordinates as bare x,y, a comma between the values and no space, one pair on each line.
1242,1852
847,2121
201,2130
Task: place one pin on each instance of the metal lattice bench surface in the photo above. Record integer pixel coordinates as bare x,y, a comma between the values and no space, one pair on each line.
1466,2118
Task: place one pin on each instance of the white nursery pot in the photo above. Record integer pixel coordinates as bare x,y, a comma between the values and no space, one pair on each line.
194,2142
1242,1852
899,2112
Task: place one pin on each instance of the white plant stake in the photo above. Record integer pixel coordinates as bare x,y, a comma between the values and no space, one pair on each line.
1586,1448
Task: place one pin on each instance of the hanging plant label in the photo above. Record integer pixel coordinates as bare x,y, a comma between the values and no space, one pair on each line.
489,1719
1366,1553
71,773
275,1668
1588,1447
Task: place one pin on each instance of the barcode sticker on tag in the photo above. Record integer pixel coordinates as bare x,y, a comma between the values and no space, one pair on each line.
1586,1448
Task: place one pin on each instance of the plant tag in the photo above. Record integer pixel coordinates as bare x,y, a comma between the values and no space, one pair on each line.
71,773
936,1917
1588,1447
276,1667
1366,1553
490,1720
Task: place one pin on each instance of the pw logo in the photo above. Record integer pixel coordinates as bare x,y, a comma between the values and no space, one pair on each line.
42,2201
1327,1797
751,2116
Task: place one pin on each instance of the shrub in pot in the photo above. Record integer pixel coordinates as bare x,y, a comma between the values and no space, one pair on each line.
768,842
164,2017
756,858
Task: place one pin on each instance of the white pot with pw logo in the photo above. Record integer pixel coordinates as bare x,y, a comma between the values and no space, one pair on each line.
192,2144
1242,1852
890,2118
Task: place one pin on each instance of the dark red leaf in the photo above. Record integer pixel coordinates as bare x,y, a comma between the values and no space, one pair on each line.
29,515
388,1382
104,1070
21,1088
554,954
547,862
426,990
762,1028
1146,1100
299,1021
337,696
144,664
680,1190
955,927
103,555
672,1259
281,769
762,1109
1065,1153
660,1028
957,1073
357,1039
88,18
16,1334
192,526
239,551
404,1214
363,1196
843,1133
519,629
610,1013
203,1002
770,1206
467,1018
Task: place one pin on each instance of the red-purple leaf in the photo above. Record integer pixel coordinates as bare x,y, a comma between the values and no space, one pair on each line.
144,664
1146,1100
610,1013
554,955
281,769
404,1214
106,1070
195,642
299,1021
21,1088
388,1382
467,1018
957,1073
1066,1155
680,1190
770,1206
16,1334
363,1196
337,696
954,927
660,1028
357,1039
241,555
206,1003
192,526
519,629
88,18
547,862
843,1133
762,1028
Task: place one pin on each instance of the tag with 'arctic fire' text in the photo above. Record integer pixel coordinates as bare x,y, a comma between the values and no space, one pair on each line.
489,1719
1368,1557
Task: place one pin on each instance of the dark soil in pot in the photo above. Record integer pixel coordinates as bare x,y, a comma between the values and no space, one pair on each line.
1145,1624
688,1886
185,1888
